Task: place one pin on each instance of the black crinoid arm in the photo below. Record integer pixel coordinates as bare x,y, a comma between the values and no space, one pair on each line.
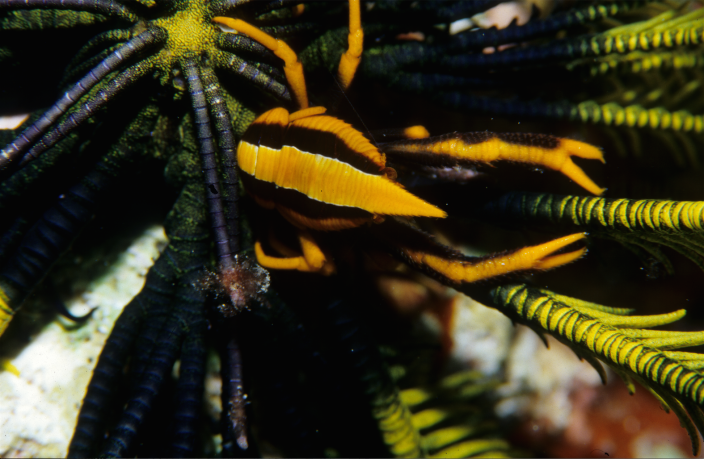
165,321
150,89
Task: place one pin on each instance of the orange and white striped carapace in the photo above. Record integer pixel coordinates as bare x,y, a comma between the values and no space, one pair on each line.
321,173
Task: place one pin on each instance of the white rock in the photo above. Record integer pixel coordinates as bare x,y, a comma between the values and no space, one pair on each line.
38,409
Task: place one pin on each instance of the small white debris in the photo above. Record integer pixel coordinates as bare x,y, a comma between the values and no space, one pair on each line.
460,26
503,14
225,28
12,121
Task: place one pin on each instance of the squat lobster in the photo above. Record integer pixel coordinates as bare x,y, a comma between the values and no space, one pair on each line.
322,174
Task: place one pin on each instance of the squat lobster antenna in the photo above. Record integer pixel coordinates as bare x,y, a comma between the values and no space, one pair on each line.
293,68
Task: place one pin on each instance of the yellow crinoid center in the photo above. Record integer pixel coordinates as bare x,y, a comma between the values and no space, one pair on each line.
189,29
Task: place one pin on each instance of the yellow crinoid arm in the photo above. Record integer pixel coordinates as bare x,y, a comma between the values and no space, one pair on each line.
485,147
293,68
6,312
468,270
350,60
6,365
626,343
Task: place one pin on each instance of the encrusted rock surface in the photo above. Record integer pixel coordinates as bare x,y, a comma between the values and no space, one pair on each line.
38,408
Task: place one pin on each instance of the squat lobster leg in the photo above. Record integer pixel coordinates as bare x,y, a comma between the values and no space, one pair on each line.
421,251
528,258
293,67
485,147
312,260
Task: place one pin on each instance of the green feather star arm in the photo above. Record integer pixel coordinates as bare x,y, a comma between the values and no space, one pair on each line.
635,48
621,342
641,225
639,62
667,20
644,251
636,116
451,420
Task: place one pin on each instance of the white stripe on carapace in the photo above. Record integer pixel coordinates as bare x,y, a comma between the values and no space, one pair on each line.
331,181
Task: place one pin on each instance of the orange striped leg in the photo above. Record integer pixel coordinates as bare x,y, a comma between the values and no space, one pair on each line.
355,45
293,68
392,135
312,260
528,258
416,132
485,147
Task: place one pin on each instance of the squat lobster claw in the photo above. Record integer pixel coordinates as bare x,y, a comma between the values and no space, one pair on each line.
322,174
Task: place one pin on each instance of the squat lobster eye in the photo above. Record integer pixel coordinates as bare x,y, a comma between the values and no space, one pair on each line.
322,174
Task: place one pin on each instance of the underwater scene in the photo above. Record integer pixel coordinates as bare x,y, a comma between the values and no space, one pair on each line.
252,228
